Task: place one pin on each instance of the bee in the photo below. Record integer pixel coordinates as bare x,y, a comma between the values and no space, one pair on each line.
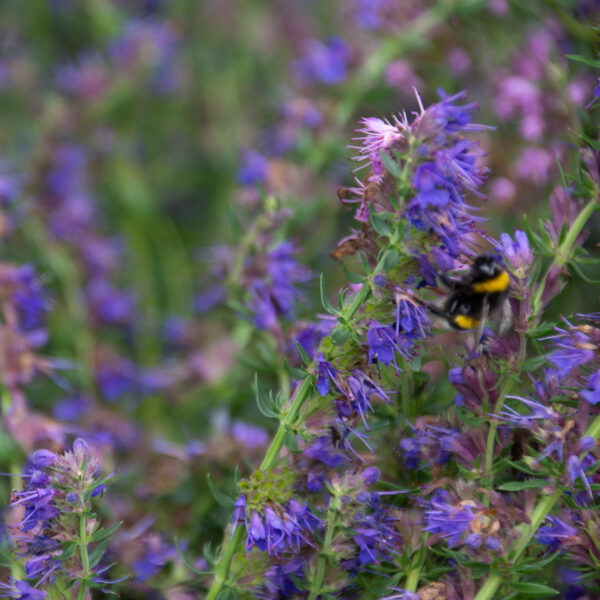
478,294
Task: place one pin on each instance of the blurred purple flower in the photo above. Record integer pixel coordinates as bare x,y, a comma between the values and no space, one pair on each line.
248,435
149,47
535,164
87,79
323,62
20,590
370,14
109,305
254,169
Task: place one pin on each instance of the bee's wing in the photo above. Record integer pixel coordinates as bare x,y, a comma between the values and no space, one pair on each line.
506,319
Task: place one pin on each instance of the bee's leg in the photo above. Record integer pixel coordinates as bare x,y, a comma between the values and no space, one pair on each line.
506,319
485,311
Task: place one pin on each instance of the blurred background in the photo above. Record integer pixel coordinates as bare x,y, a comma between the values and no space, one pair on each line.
161,162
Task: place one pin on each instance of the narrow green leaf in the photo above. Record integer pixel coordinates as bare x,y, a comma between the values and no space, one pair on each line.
353,277
535,565
591,62
220,497
364,262
581,274
324,301
516,486
266,407
104,533
595,144
533,589
391,165
98,552
298,374
303,355
186,561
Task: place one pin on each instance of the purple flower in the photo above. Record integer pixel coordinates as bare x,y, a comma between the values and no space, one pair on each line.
265,313
52,485
518,253
596,95
540,413
43,458
277,528
274,292
452,117
209,298
555,532
575,346
370,14
378,135
149,48
323,451
109,305
325,374
310,336
535,164
30,299
254,169
324,62
411,449
280,580
411,318
156,555
575,470
449,521
358,391
116,377
592,393
87,79
248,435
461,523
382,343
20,590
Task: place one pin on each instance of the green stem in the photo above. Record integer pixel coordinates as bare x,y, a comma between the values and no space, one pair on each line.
563,252
222,569
412,581
563,255
537,517
491,439
488,590
83,553
317,582
287,419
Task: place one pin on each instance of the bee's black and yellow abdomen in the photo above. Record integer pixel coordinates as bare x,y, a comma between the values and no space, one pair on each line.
492,285
478,294
465,322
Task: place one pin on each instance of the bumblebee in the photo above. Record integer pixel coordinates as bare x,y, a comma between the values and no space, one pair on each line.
482,291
